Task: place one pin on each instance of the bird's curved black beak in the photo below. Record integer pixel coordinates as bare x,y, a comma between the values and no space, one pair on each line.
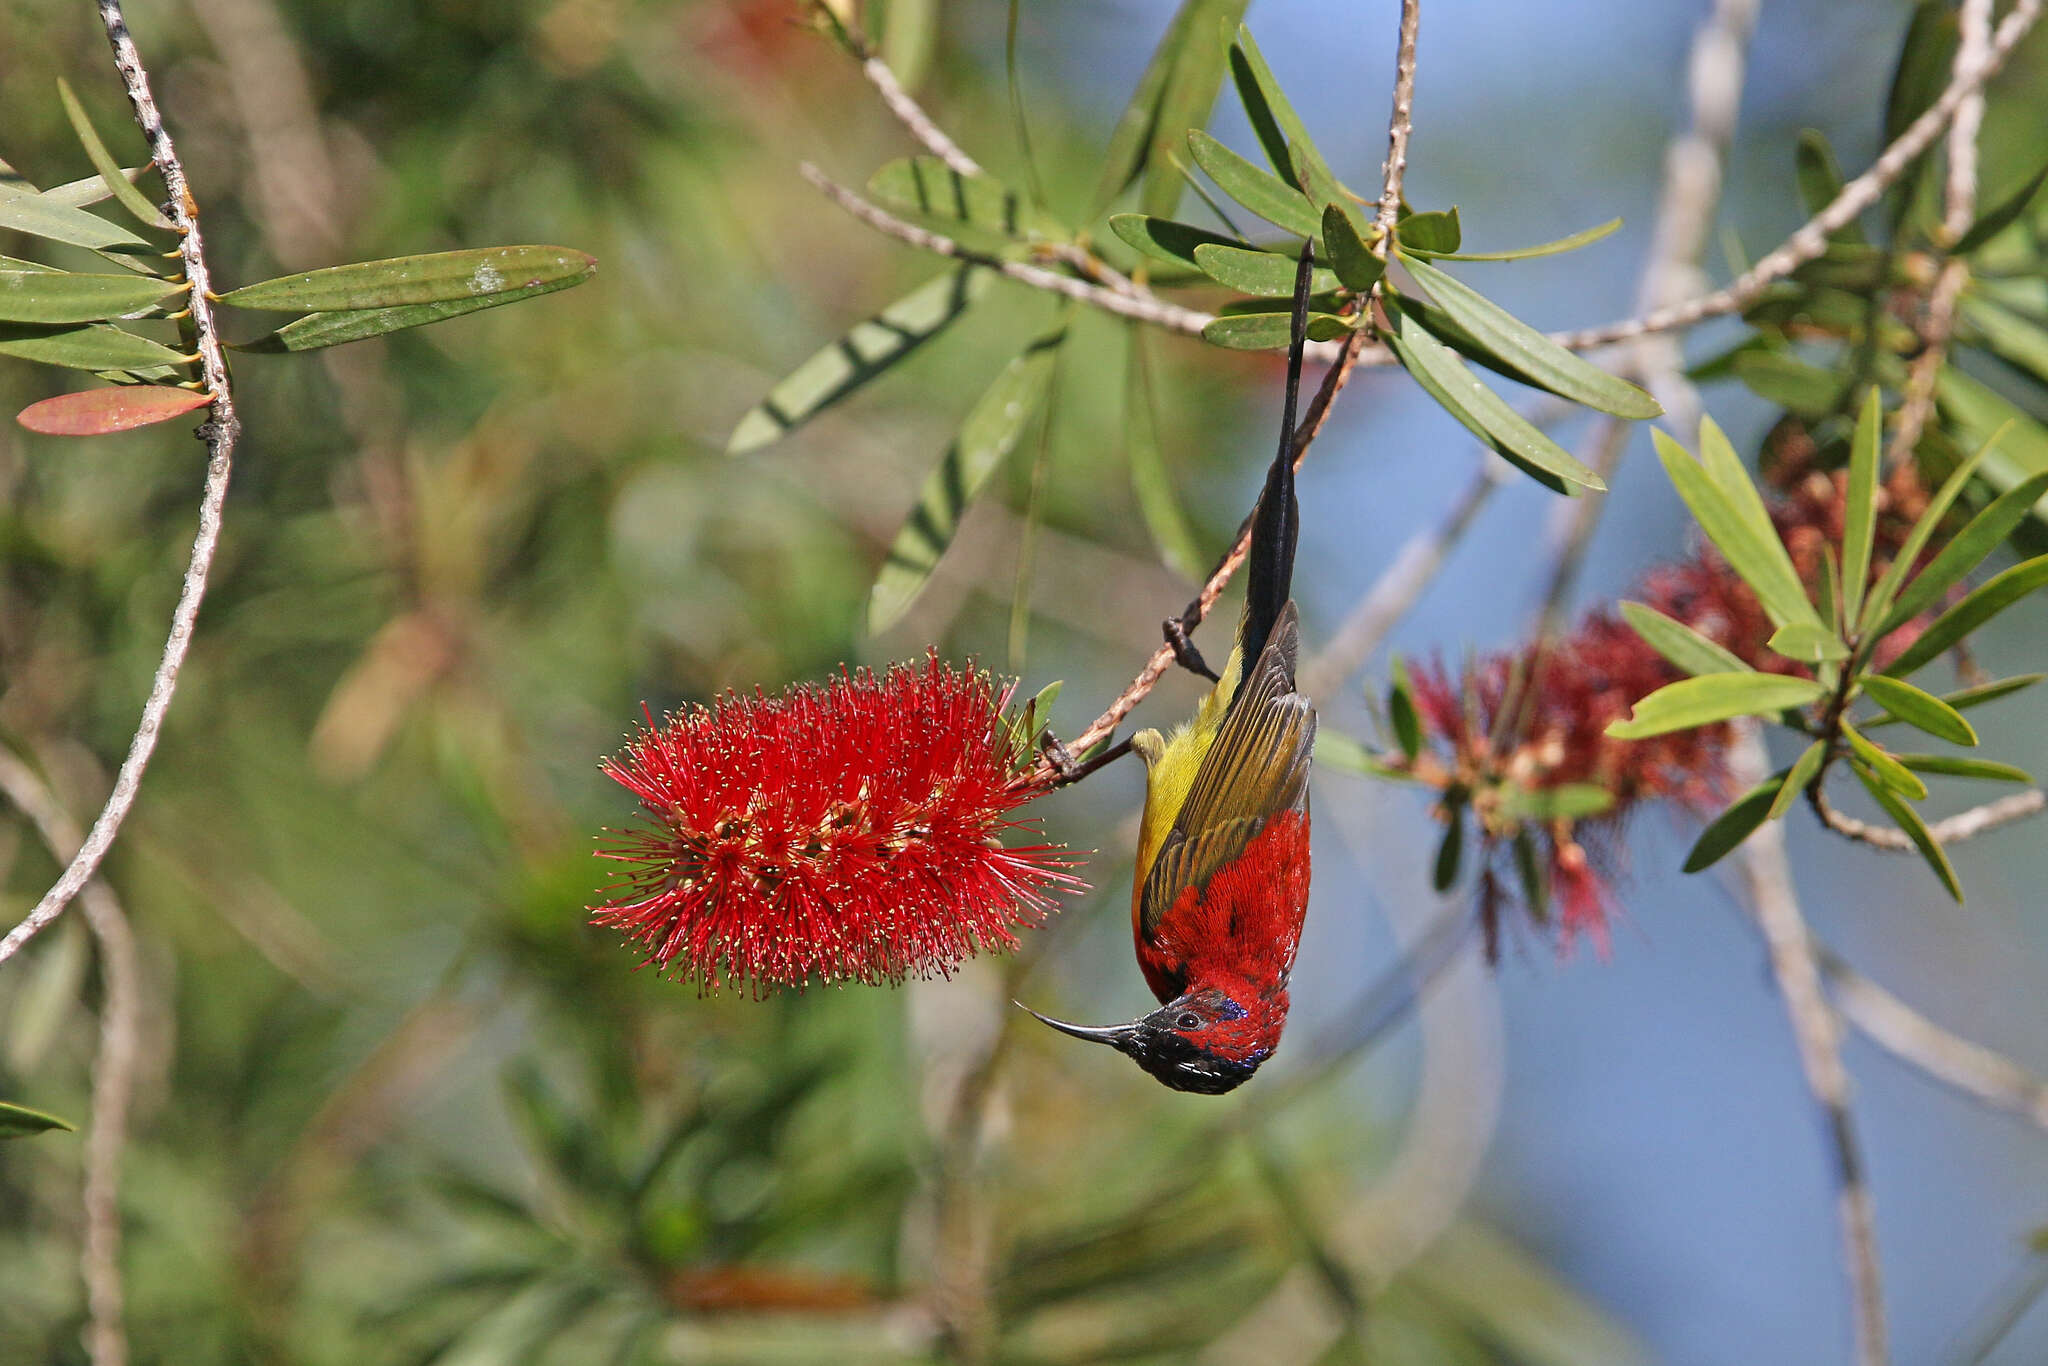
1118,1036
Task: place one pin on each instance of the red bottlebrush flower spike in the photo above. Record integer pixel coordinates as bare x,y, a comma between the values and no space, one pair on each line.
850,832
1525,724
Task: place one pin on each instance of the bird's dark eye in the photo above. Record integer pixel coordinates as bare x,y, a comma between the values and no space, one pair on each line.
1189,1020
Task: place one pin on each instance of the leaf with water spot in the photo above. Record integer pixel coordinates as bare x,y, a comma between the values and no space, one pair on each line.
438,277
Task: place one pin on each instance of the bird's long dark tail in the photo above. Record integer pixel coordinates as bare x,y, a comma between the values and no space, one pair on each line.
1270,559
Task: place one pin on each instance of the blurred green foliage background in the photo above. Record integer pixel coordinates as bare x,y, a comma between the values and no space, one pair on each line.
399,1103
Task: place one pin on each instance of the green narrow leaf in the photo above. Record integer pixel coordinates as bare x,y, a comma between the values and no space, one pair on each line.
18,1121
1783,379
93,189
50,296
1708,698
1686,648
1534,877
1885,594
1565,802
318,330
1965,698
1798,779
1483,413
1528,350
927,187
1164,240
1820,178
1436,232
2018,341
1341,752
1908,820
1444,329
1124,159
1735,824
1264,273
1879,761
2001,215
990,431
438,277
1450,853
1322,188
92,347
1859,510
1268,331
40,216
1188,98
1986,602
1151,482
1407,722
125,194
1808,642
1272,118
1356,266
1961,766
1551,248
1265,194
1925,59
866,351
1759,558
1921,710
1830,586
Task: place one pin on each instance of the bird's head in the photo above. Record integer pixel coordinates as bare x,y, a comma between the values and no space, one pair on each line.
1206,1040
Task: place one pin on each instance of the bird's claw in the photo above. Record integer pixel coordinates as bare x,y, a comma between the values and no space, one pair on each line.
1059,756
1184,652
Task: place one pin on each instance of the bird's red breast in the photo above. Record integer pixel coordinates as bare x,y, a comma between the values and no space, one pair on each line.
1239,930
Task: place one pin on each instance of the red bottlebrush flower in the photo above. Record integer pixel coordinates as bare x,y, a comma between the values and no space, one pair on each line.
850,832
1516,727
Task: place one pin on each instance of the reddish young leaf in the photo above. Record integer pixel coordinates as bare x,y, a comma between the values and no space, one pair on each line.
96,412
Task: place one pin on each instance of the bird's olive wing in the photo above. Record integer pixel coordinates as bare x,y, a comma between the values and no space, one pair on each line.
1256,768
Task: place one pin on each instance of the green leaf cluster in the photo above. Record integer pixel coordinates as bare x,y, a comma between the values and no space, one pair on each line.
1837,636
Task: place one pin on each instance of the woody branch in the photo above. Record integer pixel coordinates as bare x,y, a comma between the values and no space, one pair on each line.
220,433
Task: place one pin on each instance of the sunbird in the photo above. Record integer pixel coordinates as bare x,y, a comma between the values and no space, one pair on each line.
1221,888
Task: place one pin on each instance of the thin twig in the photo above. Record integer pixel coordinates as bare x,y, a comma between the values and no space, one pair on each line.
1610,440
1808,242
1955,1062
113,1070
1132,302
1414,567
1767,875
1961,826
1350,353
912,116
220,433
1399,127
1219,578
1973,48
1959,207
1811,239
1686,205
